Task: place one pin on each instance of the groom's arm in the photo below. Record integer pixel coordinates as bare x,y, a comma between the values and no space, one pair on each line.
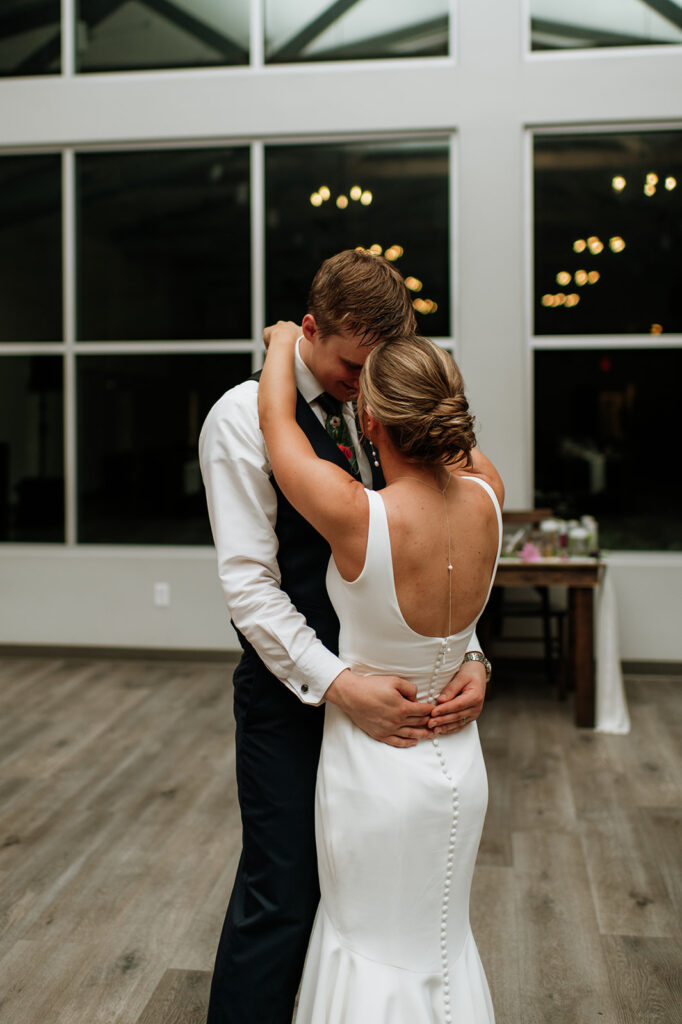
242,507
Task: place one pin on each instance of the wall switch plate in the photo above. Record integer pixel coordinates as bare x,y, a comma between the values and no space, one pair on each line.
162,597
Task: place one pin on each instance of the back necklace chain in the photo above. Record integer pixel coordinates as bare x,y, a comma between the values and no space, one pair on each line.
441,491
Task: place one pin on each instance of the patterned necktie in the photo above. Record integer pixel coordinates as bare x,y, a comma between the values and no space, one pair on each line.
337,428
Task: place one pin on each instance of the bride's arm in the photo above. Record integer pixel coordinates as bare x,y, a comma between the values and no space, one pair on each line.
329,498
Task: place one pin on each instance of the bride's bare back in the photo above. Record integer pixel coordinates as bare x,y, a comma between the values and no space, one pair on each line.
419,548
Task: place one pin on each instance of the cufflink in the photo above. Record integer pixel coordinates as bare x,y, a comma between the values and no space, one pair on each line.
304,688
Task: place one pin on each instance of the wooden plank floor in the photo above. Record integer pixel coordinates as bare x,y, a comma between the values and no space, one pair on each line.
119,837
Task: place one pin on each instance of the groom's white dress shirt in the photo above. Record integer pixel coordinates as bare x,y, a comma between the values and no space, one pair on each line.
242,508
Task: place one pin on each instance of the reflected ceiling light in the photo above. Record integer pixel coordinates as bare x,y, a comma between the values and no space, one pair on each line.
376,249
342,202
651,178
366,197
563,277
649,189
657,328
414,284
579,245
316,199
572,300
394,252
618,183
559,299
547,300
670,183
425,305
580,277
593,277
595,245
355,193
324,192
616,244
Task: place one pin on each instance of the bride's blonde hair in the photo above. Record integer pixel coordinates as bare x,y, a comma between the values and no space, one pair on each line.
415,390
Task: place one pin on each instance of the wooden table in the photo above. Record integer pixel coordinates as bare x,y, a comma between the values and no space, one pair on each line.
580,577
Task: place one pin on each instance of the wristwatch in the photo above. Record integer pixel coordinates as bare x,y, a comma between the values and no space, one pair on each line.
480,656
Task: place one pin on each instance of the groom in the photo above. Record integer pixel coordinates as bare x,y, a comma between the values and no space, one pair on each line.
272,567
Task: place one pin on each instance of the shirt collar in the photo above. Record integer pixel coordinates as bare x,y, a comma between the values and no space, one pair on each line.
306,381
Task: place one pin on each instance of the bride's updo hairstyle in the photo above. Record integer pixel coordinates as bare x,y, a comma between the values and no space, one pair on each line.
415,390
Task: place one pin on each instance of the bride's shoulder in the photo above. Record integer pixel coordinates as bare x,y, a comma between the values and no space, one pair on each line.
481,468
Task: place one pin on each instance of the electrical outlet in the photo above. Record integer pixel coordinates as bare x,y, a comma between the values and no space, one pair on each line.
162,597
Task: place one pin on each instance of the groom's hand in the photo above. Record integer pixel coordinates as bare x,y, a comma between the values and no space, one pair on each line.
461,702
385,707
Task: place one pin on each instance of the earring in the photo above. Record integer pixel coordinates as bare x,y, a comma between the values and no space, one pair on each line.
375,457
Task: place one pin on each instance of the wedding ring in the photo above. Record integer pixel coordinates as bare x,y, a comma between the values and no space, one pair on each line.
465,720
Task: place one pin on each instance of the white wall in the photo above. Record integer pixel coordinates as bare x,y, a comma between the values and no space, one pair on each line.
489,97
105,597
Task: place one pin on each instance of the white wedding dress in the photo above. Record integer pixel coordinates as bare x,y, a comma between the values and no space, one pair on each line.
397,830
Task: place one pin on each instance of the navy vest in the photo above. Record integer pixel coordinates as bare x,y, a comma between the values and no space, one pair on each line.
303,553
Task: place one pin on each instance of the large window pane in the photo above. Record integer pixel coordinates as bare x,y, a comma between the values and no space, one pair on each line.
607,434
137,34
139,419
321,199
557,25
31,449
30,248
30,37
164,245
608,233
307,30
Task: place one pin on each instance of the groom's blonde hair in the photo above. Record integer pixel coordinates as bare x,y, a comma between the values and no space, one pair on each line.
363,294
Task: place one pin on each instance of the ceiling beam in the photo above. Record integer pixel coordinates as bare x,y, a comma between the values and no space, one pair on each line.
668,9
233,52
437,27
294,47
597,36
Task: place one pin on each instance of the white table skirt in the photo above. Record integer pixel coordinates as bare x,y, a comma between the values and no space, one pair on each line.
611,709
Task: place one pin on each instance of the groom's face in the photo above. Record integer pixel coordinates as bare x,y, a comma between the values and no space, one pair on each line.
335,360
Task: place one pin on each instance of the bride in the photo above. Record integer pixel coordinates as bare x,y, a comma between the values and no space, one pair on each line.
397,829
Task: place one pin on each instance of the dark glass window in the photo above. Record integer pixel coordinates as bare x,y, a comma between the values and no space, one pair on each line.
556,25
608,233
139,419
607,437
164,245
30,37
141,34
311,30
31,449
30,248
391,196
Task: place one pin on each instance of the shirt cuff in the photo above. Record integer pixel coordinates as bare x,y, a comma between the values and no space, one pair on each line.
312,676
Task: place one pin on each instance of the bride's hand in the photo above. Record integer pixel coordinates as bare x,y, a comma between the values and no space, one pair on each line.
461,702
283,331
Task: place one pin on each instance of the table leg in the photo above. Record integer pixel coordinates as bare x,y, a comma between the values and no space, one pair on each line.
581,624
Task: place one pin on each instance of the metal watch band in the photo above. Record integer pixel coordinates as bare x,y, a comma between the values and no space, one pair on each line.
480,656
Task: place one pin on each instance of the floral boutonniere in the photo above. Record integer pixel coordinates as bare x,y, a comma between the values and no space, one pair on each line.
346,451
